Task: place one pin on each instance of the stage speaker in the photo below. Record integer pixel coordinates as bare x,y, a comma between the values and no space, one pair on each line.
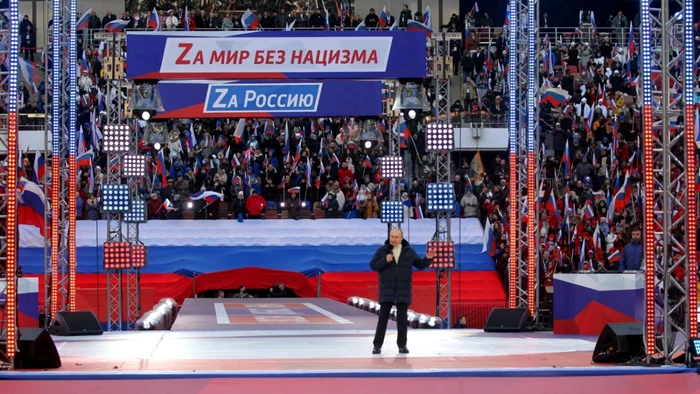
75,323
506,320
36,350
619,342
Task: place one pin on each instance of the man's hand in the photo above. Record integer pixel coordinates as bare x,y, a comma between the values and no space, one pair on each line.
430,254
389,258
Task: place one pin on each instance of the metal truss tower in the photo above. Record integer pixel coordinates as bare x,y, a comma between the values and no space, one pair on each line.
670,169
521,126
9,50
133,275
60,79
394,151
442,163
115,116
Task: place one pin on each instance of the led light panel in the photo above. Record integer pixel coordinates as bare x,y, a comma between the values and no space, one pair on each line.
115,198
117,255
134,166
440,197
444,254
139,259
392,166
137,212
116,138
439,137
392,212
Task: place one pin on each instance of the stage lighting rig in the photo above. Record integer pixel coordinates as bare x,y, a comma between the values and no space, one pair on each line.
117,255
440,197
439,137
392,166
115,198
136,213
146,101
392,212
444,254
134,166
139,258
116,139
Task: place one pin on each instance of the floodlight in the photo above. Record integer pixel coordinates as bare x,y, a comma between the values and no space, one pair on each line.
145,115
303,204
116,138
134,166
138,256
156,146
444,254
439,137
440,197
282,204
136,213
412,114
368,144
115,198
392,166
189,205
391,212
117,255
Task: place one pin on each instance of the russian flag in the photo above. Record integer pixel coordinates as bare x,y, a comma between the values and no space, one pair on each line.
615,256
588,213
555,97
83,21
208,196
489,240
383,18
191,140
154,20
295,189
507,21
417,26
551,205
84,160
160,166
566,159
367,162
39,168
31,204
186,20
249,20
116,26
361,26
621,198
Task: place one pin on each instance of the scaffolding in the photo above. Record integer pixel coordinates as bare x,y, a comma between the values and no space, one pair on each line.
441,78
670,168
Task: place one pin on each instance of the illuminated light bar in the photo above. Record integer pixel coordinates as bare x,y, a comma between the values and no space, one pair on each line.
117,255
57,157
392,166
116,138
10,310
531,126
392,212
440,197
115,198
513,135
134,166
439,137
444,254
137,212
72,149
139,256
691,168
648,178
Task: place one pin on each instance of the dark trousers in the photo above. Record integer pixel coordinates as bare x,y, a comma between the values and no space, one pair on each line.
401,323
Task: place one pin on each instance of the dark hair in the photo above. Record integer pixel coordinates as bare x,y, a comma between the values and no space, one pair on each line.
636,228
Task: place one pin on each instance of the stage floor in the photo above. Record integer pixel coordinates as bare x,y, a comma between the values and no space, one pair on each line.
263,356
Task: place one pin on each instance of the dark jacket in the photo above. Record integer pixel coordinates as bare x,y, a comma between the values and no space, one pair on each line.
395,281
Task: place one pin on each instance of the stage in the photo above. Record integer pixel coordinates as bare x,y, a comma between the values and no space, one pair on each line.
321,345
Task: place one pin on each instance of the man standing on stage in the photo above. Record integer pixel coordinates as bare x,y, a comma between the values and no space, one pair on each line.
394,262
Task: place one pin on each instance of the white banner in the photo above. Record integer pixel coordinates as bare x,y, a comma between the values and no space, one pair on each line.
193,55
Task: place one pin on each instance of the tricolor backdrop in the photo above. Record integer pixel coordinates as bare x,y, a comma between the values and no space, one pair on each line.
276,55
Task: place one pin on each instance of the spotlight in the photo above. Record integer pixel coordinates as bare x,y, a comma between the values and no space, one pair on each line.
354,301
303,204
137,212
145,115
439,137
411,316
423,319
368,144
412,114
115,198
156,146
116,138
431,322
117,255
392,166
282,204
138,256
361,302
440,197
392,212
444,254
189,205
134,166
371,306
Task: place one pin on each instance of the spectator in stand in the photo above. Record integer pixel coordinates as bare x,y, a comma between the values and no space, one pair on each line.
371,20
28,42
632,254
255,205
404,16
242,293
278,291
293,205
